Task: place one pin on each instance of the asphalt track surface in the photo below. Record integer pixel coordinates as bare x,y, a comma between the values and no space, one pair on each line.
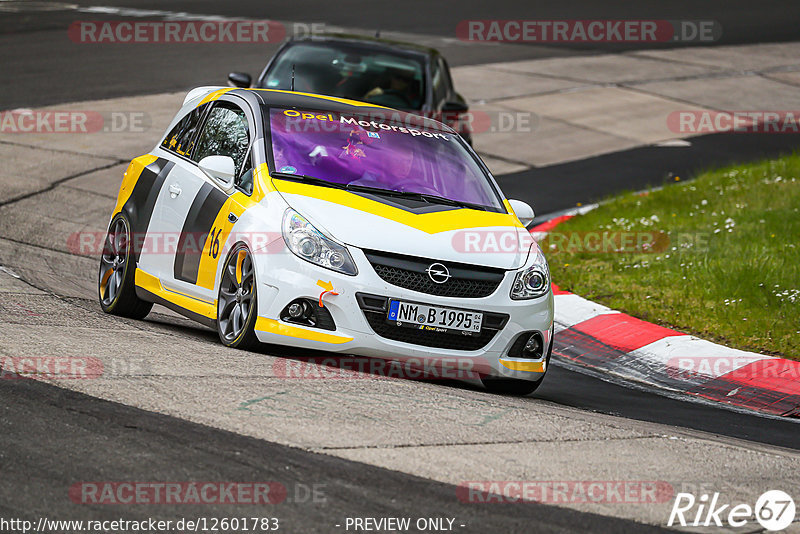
50,437
42,66
593,179
107,439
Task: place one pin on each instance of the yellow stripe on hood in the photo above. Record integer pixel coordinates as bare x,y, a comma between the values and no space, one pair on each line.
430,223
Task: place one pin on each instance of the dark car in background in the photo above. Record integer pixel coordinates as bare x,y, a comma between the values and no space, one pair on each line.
398,75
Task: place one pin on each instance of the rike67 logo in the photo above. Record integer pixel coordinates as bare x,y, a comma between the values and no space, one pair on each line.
774,510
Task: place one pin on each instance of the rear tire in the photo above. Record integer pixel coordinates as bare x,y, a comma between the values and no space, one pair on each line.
237,307
515,386
115,283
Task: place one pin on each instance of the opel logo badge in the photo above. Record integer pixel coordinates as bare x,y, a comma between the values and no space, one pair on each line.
438,273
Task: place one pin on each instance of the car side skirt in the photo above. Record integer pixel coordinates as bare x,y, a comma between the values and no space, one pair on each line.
149,288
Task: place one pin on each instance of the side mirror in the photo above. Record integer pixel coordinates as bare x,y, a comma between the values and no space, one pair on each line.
240,79
523,211
455,107
221,169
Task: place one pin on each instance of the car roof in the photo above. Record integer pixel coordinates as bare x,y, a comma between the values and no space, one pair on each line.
324,103
366,42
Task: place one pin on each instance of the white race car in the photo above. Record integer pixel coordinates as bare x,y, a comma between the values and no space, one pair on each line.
329,224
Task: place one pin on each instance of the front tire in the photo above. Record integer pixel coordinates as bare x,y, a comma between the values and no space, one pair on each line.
237,306
510,386
116,285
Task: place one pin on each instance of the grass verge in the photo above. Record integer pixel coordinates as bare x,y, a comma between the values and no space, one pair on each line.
718,256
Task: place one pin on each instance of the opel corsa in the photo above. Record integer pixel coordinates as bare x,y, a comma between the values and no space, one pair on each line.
329,224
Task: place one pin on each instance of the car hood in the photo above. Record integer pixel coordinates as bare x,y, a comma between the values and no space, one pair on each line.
416,229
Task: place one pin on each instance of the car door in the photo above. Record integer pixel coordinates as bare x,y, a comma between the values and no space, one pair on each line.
156,254
199,214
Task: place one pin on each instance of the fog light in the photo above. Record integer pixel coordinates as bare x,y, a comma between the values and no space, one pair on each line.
296,310
306,312
533,347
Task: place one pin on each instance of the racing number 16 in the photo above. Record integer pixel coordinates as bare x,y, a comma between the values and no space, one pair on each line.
213,249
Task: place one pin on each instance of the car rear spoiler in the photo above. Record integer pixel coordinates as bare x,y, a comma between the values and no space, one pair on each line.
201,92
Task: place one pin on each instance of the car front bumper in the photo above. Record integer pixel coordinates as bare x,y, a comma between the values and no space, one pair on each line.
283,277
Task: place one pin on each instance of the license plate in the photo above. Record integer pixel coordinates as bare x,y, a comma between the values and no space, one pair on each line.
434,318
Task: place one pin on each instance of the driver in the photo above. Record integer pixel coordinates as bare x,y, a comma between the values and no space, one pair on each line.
400,88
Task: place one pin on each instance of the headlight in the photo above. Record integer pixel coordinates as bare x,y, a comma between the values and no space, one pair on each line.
312,245
533,281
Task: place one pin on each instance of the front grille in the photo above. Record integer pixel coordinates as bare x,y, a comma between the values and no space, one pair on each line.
466,281
376,307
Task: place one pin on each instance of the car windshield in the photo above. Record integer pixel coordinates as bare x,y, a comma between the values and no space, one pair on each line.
386,79
382,155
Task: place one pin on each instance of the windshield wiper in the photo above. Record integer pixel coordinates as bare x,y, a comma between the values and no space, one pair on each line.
304,178
431,199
